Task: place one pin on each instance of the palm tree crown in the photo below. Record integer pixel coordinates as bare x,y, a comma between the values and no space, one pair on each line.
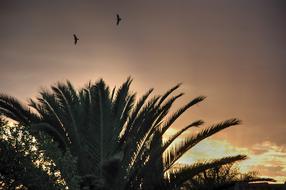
117,140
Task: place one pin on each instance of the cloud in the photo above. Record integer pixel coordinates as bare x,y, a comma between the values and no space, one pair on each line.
266,158
269,160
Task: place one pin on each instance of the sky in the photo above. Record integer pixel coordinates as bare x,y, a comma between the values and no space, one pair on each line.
233,52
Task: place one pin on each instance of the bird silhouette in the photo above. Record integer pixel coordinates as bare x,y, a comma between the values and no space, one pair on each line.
75,39
118,19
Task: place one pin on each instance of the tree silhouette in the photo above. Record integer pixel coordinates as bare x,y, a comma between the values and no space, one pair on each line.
222,177
24,162
118,142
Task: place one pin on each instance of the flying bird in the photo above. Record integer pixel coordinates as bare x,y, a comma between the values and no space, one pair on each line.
75,39
118,19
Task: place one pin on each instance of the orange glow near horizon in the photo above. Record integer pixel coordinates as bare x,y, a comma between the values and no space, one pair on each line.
266,158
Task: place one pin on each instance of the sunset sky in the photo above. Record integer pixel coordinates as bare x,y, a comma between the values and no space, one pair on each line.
233,52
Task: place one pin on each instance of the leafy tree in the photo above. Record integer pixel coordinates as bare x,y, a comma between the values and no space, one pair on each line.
118,142
25,163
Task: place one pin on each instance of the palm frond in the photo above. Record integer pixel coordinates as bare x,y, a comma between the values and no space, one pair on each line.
133,115
62,140
65,99
170,91
21,113
175,136
9,114
121,98
112,94
175,178
178,113
179,149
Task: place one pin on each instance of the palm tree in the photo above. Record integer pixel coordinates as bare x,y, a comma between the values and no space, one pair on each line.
118,142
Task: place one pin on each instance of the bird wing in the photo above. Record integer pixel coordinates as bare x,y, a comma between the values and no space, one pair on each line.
118,19
75,39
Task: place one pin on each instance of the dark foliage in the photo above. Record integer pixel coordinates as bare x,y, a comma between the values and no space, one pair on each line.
118,142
